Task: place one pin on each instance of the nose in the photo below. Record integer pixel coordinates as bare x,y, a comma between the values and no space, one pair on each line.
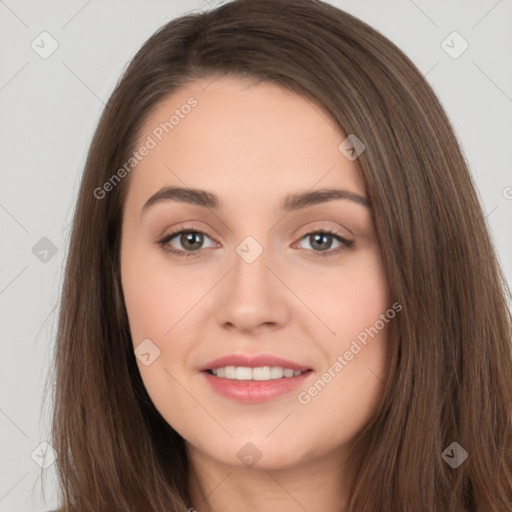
252,296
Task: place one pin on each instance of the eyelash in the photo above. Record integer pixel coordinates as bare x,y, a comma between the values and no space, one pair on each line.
345,243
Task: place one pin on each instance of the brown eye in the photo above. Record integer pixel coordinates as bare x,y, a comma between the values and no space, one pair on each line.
189,242
321,242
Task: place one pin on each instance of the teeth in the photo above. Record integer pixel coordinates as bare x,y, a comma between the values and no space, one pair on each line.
243,373
260,373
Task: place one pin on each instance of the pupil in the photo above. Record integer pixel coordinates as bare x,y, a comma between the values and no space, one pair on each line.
189,240
320,238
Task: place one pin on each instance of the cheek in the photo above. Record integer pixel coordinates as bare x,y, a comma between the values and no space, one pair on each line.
157,296
347,301
348,388
346,392
157,299
148,305
160,301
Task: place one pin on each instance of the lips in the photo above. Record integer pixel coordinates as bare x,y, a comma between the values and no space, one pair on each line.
255,390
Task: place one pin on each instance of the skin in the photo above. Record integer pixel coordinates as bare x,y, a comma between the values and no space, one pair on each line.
252,145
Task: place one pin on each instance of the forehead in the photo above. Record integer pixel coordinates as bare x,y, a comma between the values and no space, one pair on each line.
230,135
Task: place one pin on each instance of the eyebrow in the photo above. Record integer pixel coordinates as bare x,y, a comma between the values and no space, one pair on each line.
291,202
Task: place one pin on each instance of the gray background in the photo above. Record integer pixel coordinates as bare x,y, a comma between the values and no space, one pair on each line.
50,108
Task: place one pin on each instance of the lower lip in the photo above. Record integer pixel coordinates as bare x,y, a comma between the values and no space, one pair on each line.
254,391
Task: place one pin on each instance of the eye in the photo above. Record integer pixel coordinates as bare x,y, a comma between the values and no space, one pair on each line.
190,241
320,242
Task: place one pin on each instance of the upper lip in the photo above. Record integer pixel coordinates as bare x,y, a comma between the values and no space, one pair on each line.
253,361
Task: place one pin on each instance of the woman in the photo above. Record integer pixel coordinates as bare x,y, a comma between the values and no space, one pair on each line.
337,336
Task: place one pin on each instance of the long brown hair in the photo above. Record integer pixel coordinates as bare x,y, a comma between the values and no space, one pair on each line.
451,374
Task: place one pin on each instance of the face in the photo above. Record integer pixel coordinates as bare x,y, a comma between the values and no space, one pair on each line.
231,291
